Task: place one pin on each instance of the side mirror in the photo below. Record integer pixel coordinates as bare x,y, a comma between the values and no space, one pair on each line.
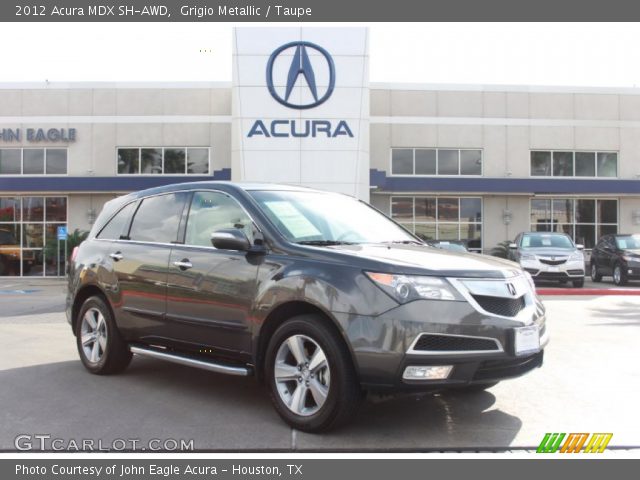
579,246
513,246
230,239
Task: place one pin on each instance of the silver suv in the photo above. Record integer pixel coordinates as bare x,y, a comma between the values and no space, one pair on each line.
549,256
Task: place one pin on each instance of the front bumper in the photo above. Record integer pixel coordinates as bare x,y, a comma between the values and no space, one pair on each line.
568,270
384,346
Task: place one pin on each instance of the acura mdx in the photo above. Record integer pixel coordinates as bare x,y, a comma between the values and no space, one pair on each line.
319,295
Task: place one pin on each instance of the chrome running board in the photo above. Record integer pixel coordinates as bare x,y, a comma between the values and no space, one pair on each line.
189,361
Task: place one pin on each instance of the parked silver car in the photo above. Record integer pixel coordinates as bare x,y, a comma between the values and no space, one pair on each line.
549,256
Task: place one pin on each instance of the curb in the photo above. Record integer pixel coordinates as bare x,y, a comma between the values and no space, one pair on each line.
587,291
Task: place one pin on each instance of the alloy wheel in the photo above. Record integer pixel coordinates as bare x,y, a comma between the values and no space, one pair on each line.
302,375
617,275
93,335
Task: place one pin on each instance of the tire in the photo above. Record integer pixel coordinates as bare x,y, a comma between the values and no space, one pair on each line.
311,398
595,276
619,275
104,351
578,283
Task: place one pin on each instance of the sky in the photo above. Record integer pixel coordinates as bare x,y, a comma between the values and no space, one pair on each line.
564,54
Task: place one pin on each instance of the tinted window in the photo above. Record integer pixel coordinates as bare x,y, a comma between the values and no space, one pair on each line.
213,211
116,225
157,218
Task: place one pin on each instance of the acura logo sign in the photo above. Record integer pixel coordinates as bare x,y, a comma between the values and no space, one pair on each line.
512,289
301,66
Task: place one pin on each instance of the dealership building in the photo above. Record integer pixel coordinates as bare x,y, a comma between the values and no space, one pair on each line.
475,163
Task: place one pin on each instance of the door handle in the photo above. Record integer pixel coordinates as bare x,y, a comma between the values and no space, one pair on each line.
183,264
116,256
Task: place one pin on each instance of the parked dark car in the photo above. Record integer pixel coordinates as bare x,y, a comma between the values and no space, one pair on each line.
549,256
451,245
617,256
317,294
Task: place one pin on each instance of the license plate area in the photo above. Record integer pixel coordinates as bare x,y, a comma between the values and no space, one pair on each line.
526,340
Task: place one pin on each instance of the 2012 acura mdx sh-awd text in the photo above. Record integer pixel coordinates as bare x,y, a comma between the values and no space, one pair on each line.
318,294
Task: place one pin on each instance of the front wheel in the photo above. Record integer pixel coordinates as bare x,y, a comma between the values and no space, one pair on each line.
595,276
619,275
310,375
101,348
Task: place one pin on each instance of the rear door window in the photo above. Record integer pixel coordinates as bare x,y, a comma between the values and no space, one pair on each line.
116,226
158,218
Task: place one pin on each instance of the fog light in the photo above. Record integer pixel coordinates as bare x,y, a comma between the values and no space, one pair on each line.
424,372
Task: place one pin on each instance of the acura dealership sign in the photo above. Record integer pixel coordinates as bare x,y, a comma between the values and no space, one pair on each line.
301,72
301,65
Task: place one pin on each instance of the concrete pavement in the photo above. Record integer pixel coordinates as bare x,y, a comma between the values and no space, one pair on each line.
589,383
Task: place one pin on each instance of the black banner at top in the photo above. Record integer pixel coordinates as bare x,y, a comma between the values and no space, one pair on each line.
316,10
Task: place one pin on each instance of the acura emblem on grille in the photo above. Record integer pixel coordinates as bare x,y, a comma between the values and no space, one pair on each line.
511,288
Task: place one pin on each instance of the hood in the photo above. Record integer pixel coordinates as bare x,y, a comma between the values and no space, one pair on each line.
416,259
550,251
634,252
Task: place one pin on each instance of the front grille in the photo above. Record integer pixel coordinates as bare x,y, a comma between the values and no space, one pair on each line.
497,369
551,276
446,343
506,307
547,261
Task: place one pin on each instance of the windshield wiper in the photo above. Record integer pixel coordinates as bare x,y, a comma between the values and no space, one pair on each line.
324,243
406,242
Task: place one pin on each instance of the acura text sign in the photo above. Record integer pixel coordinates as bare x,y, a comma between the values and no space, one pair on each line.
302,73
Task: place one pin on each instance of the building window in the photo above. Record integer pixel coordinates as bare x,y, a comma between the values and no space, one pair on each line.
163,160
436,161
584,220
29,243
33,161
546,163
441,218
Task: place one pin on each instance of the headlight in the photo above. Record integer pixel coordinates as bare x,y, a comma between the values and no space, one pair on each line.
576,257
527,256
405,288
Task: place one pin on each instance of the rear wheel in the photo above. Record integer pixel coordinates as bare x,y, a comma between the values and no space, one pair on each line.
100,345
619,275
595,275
310,375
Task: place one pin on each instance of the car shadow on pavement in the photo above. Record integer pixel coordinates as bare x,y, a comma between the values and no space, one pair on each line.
433,421
158,400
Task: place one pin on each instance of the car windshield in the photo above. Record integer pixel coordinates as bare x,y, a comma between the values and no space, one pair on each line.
318,218
631,242
546,240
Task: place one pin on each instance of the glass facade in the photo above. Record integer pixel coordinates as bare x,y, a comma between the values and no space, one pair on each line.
584,220
33,161
545,163
163,161
436,161
441,218
28,236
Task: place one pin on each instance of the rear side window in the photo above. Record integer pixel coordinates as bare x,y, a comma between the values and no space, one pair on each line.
158,218
115,227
